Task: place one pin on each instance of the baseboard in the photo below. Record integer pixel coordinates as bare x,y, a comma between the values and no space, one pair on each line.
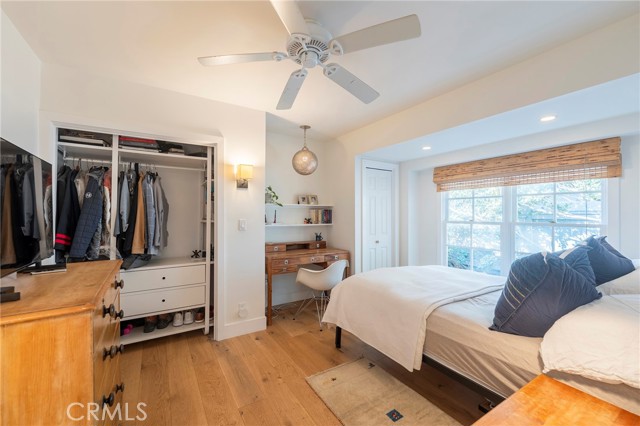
240,328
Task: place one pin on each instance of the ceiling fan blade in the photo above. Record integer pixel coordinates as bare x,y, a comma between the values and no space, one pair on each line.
290,16
240,58
387,32
350,83
292,88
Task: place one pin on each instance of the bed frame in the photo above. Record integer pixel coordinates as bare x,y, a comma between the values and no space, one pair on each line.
492,398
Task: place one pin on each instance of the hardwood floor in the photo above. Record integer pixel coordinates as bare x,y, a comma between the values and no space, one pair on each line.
259,379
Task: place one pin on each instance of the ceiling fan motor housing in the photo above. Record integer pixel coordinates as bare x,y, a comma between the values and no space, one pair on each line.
310,49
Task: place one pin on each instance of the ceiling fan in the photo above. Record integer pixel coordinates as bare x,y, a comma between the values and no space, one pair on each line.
311,45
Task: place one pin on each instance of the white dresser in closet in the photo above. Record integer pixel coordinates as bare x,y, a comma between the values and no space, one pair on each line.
172,281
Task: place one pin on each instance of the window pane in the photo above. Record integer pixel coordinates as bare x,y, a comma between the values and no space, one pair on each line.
488,209
458,235
579,185
567,237
461,193
486,236
532,239
536,188
460,210
487,192
486,261
535,208
459,257
579,208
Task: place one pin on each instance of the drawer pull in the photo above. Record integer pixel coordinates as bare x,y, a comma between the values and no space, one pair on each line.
164,278
120,387
335,257
111,310
109,400
120,348
109,352
276,248
286,261
119,283
119,314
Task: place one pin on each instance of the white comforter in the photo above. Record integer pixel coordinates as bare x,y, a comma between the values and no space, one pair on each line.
388,308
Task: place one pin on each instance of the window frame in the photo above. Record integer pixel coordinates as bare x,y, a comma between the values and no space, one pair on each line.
509,221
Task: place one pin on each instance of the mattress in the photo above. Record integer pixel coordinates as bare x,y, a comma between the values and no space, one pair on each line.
458,337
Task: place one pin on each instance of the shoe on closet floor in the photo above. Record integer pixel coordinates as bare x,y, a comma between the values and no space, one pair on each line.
163,321
177,319
150,323
200,315
188,317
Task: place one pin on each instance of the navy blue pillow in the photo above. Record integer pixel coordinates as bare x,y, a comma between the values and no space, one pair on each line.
606,264
577,257
539,290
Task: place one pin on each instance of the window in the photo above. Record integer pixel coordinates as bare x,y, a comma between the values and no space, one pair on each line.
486,229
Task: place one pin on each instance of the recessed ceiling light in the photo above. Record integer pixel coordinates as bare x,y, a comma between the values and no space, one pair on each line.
547,118
426,148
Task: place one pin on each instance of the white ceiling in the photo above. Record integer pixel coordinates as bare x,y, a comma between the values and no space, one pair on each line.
157,42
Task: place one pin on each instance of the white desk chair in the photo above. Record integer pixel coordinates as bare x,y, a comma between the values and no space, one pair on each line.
320,281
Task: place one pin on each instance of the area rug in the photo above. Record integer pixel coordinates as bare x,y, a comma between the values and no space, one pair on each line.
361,393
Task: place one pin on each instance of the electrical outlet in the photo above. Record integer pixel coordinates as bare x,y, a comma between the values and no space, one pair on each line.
242,310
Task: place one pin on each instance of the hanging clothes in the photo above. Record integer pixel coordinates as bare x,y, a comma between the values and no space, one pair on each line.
161,236
68,215
150,211
140,225
127,237
83,243
8,250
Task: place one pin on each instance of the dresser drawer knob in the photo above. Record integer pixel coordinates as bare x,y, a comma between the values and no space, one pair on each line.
120,387
119,283
111,310
120,348
109,400
109,352
119,314
286,262
276,248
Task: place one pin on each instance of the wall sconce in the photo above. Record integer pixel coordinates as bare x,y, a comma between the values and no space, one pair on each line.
244,173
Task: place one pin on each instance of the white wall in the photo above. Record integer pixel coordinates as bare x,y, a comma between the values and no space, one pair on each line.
288,185
71,96
20,89
604,55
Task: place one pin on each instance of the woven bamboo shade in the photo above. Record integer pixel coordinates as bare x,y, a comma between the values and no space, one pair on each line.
587,160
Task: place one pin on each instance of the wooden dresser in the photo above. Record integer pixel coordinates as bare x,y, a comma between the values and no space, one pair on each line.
60,347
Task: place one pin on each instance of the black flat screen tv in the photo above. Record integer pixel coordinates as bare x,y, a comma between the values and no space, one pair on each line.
26,216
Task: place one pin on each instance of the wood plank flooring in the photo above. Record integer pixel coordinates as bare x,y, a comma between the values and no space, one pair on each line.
259,379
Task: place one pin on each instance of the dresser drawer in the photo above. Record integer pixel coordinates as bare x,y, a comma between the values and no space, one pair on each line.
270,248
153,279
105,367
140,303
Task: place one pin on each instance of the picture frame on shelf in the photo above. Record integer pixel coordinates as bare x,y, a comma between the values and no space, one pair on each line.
313,199
303,199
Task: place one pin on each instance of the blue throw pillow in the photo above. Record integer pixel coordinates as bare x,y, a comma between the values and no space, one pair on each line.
577,257
539,290
606,264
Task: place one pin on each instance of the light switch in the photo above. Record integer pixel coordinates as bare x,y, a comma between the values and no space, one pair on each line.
242,225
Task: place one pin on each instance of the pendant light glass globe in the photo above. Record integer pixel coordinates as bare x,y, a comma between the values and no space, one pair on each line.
304,161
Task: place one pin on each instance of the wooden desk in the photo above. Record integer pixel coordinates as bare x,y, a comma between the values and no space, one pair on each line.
286,258
545,401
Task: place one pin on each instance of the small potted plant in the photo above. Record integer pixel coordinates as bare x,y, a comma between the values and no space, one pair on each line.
270,196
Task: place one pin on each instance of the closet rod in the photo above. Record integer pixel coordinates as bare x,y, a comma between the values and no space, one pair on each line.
160,166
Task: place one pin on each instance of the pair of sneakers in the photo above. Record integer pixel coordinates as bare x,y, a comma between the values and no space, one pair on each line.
180,318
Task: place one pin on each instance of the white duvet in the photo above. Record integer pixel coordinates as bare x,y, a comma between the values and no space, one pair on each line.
600,341
387,308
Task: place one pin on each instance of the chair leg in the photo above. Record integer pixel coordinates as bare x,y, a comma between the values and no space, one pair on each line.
321,305
303,305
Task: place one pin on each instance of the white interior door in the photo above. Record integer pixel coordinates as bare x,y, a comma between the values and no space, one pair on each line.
378,229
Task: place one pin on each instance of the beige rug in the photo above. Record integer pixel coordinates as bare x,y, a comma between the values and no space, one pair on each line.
361,393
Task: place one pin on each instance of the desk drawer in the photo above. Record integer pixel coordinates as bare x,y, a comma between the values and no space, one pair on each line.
152,279
335,257
144,302
284,269
270,248
298,260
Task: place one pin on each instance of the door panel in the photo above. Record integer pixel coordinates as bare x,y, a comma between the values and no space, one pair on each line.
378,226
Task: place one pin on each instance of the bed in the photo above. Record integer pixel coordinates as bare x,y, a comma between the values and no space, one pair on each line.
456,333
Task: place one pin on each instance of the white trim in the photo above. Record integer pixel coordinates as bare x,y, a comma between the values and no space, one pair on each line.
240,328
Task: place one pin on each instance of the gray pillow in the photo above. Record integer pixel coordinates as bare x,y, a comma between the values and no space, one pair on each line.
607,263
578,258
539,290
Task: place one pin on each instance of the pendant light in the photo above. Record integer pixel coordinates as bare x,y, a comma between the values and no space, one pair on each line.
304,161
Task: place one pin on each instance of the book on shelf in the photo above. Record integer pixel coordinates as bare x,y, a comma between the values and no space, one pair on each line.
84,137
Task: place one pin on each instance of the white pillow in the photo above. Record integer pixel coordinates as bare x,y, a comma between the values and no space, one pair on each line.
599,340
626,284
